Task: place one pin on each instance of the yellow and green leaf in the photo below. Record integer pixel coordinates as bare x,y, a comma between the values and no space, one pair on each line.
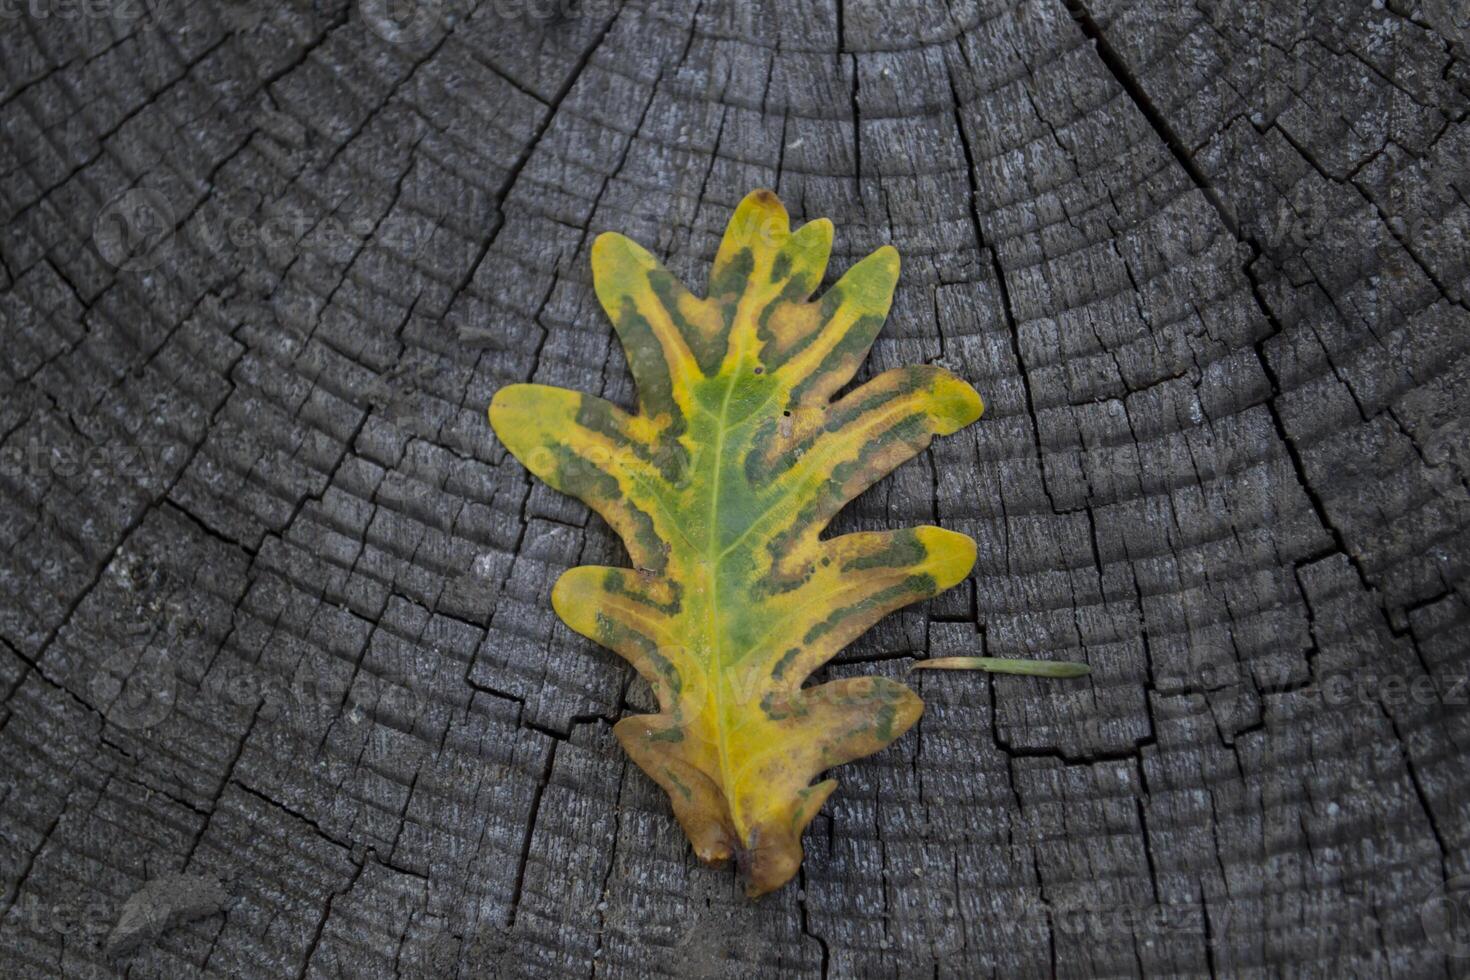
720,486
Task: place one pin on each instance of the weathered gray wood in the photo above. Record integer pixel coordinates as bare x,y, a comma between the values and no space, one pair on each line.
275,605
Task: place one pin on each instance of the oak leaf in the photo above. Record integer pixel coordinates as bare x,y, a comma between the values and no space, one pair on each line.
720,486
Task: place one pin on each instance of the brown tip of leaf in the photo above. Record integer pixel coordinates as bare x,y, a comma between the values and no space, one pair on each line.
714,850
764,199
768,204
767,865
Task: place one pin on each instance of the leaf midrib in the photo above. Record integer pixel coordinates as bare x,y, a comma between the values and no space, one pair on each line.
712,570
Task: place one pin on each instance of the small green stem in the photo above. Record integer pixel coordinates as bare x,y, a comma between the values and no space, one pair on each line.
996,665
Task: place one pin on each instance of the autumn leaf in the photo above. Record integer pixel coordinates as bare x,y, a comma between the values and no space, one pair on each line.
720,486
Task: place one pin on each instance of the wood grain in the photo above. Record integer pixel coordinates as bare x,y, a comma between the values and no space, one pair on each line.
274,605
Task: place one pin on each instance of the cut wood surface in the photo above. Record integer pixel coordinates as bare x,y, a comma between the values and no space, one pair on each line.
275,605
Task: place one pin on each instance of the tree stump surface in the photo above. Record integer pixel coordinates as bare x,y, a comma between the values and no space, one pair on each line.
276,604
